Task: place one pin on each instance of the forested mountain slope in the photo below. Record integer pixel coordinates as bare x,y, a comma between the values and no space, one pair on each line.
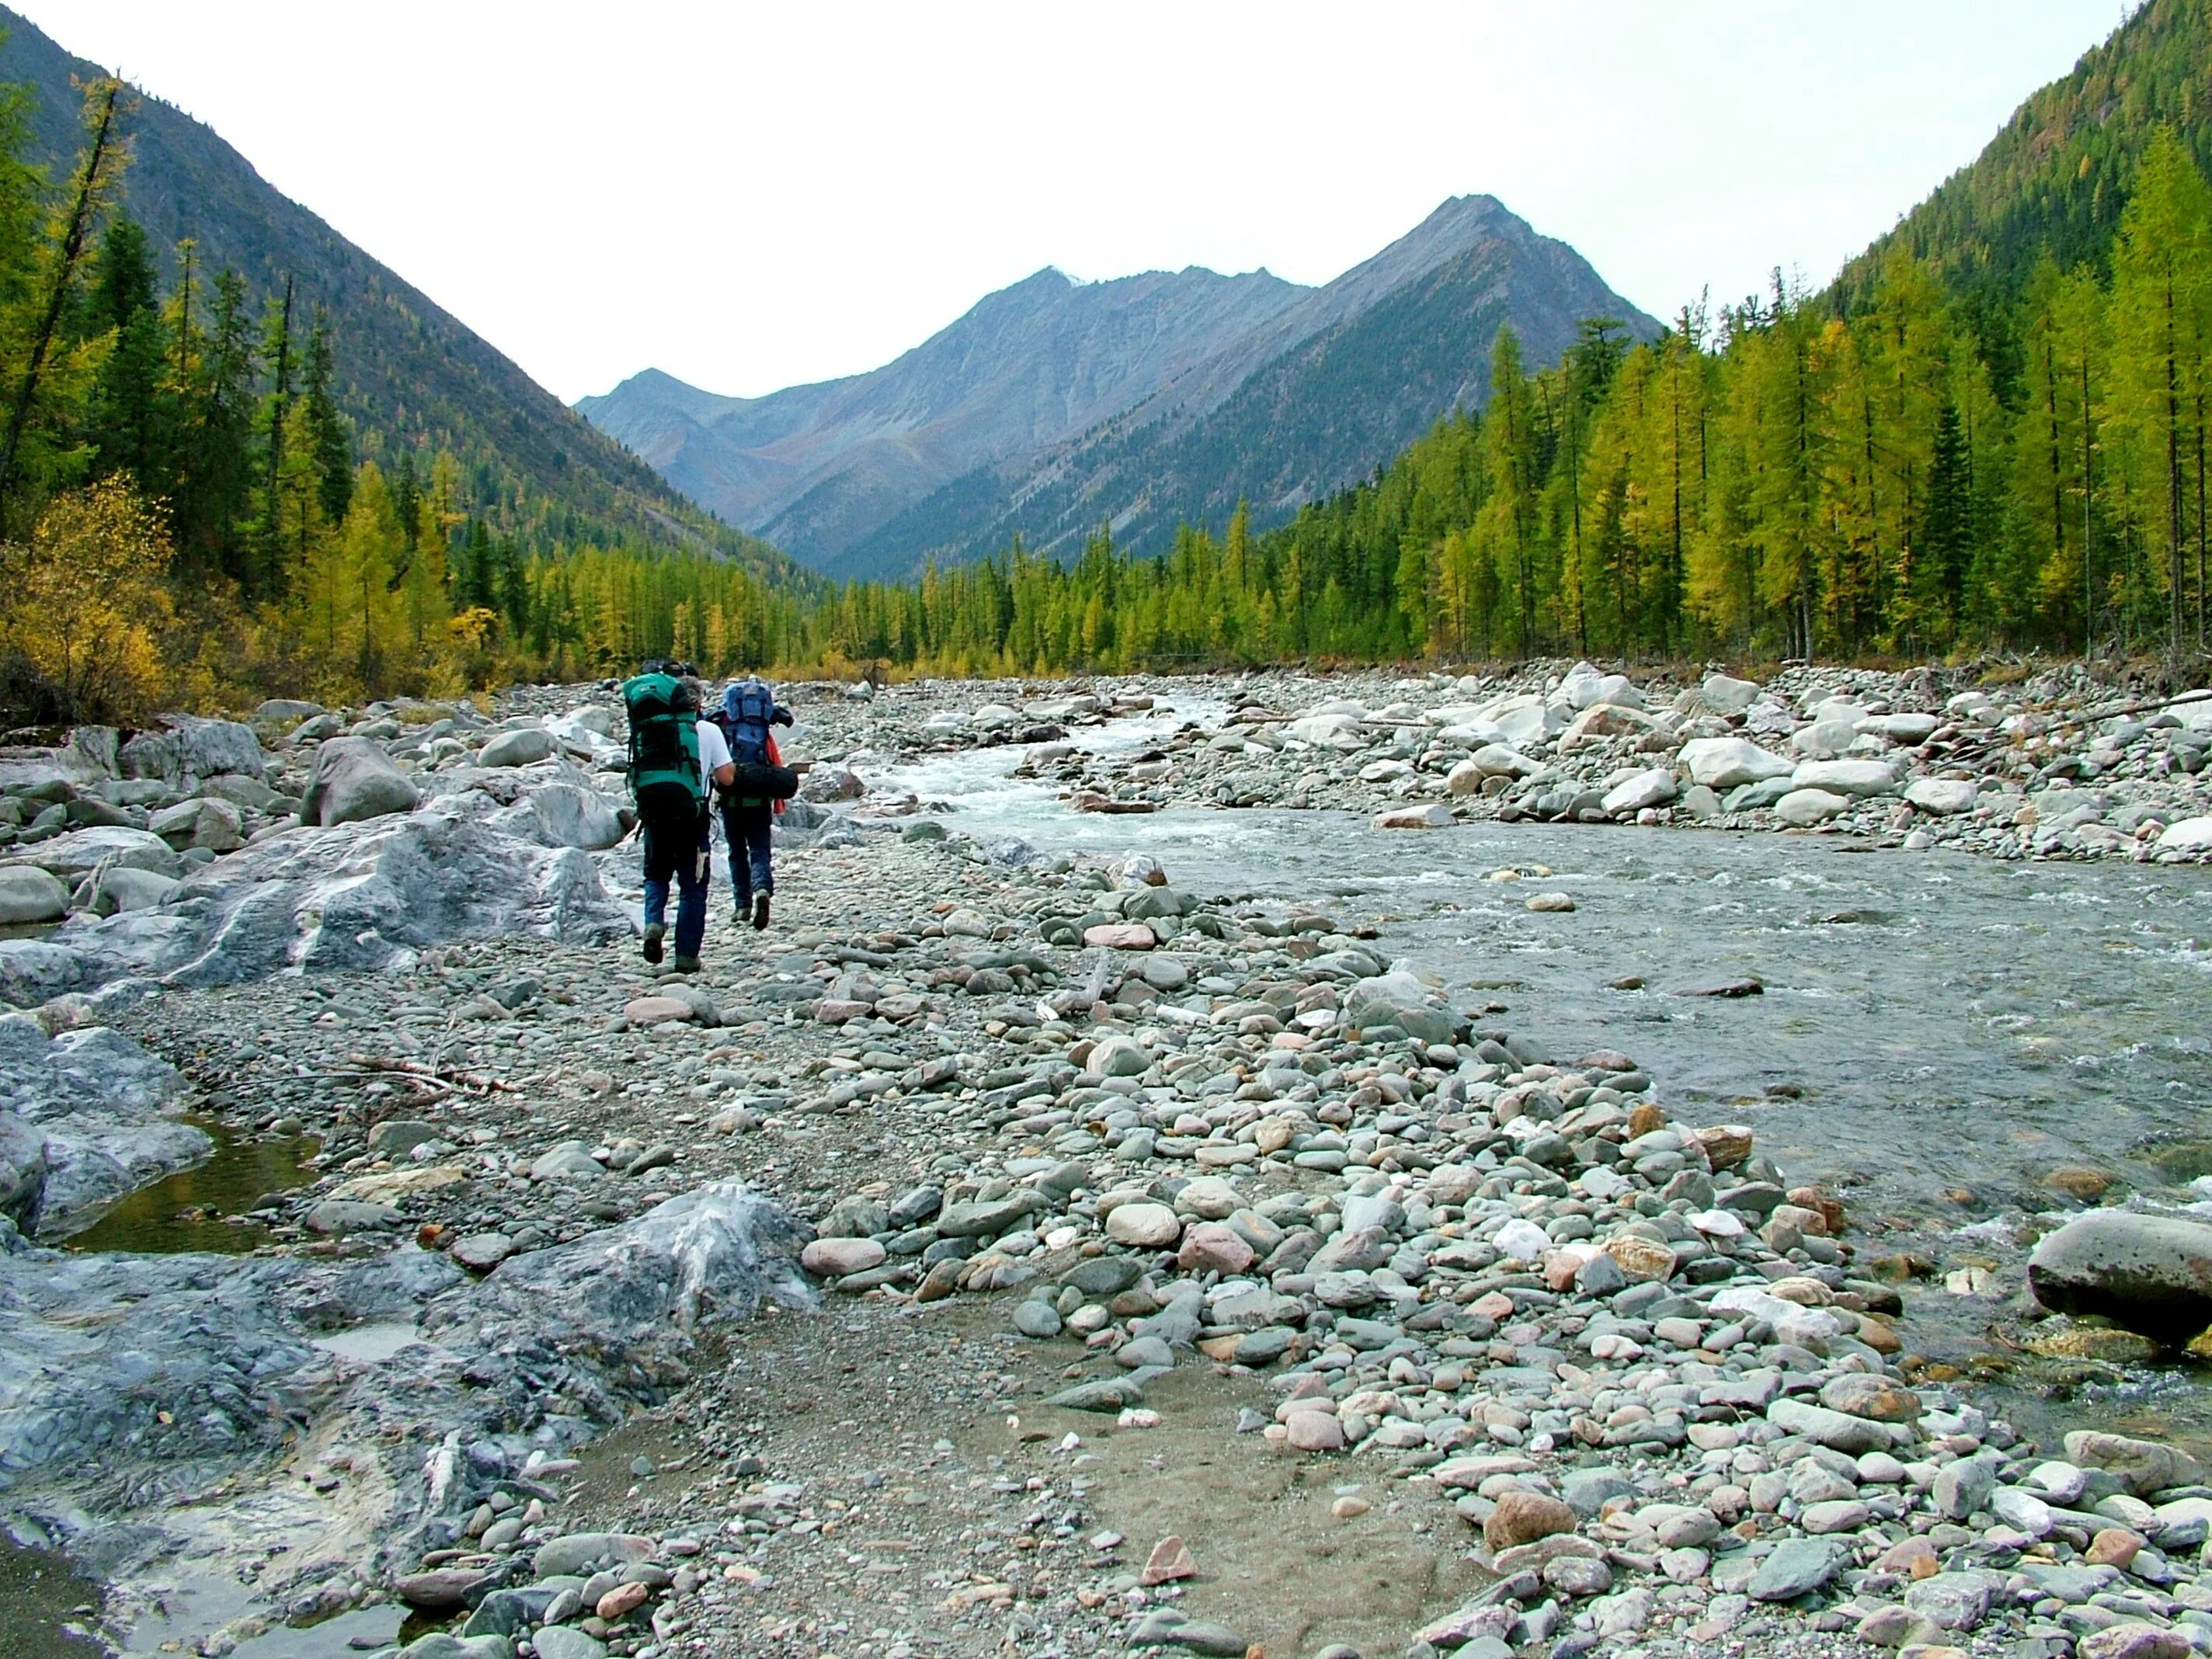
2058,176
408,373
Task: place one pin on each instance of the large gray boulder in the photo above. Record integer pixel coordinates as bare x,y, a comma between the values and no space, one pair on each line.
713,1253
96,1104
1729,763
359,898
118,888
74,855
354,780
30,894
2152,1273
212,748
22,1171
564,814
217,825
1726,695
525,747
1399,999
1845,777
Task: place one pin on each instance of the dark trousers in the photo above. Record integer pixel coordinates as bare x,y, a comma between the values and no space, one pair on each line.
678,846
747,825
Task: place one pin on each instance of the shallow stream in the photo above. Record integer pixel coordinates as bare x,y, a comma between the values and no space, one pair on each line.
199,1208
1934,1033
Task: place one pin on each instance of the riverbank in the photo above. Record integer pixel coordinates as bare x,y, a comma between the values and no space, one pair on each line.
1010,1134
2054,765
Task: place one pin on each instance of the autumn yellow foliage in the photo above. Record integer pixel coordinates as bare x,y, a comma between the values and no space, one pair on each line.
86,602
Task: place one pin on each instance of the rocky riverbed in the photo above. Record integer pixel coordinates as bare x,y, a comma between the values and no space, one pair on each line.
2052,766
1023,1248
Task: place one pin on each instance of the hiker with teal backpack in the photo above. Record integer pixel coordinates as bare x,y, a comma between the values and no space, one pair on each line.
760,786
676,758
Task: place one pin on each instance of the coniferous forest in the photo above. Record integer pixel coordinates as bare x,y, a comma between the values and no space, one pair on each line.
1956,448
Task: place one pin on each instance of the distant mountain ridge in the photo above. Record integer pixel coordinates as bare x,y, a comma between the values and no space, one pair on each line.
826,465
1052,407
408,371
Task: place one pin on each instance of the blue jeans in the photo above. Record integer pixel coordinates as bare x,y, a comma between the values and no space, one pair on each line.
751,873
666,852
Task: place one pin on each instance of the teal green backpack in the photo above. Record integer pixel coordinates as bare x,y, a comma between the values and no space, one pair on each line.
664,745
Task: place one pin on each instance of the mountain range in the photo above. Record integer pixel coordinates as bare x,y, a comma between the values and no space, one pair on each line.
1054,406
408,371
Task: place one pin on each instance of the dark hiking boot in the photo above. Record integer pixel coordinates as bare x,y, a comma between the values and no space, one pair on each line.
760,913
654,932
687,965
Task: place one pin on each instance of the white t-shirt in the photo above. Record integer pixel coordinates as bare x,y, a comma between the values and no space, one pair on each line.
714,754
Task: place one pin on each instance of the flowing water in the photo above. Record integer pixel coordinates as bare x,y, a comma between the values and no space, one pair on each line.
1934,1033
1933,1036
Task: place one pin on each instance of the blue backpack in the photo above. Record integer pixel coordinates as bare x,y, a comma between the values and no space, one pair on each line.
747,707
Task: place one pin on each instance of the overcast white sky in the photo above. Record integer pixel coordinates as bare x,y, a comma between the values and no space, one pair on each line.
749,195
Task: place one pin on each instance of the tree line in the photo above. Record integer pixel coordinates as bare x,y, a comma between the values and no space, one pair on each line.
187,517
1801,475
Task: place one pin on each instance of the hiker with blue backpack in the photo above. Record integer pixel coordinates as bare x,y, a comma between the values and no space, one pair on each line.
759,787
677,757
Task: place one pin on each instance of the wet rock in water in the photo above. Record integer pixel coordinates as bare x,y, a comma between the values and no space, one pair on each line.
2152,1273
1435,816
354,780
